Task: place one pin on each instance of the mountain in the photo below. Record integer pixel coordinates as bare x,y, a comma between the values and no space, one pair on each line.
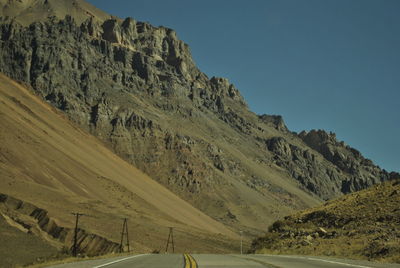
49,169
136,87
362,225
26,12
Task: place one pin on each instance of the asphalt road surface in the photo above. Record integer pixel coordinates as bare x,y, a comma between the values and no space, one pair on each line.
223,261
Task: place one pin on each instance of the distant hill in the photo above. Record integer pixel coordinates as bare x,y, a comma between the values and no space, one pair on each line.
362,225
137,89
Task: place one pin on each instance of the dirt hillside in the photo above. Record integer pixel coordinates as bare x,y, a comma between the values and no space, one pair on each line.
136,88
48,162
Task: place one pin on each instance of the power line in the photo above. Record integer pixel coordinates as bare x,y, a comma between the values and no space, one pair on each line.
241,242
75,246
124,233
170,240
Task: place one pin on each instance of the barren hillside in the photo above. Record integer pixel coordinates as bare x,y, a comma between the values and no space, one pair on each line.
48,163
137,89
364,225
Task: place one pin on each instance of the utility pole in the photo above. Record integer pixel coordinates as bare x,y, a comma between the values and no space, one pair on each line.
170,240
75,246
241,242
124,232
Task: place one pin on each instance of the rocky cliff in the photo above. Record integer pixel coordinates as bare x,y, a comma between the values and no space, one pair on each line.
361,172
136,87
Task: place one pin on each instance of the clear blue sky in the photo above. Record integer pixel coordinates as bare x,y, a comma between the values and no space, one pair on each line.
321,64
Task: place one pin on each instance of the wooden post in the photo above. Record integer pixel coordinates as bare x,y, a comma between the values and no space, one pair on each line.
170,240
123,233
75,246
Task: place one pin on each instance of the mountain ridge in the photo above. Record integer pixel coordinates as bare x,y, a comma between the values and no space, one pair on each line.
51,168
137,88
26,12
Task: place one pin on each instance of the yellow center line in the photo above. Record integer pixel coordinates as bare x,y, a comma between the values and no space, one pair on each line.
190,262
193,261
187,261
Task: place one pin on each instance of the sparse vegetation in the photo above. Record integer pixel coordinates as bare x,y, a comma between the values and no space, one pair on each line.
173,148
18,248
362,225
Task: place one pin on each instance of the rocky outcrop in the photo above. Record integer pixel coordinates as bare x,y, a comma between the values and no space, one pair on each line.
359,225
276,121
39,221
136,87
360,172
96,72
328,167
305,166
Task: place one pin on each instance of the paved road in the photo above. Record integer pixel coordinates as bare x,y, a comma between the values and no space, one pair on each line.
223,261
137,261
276,261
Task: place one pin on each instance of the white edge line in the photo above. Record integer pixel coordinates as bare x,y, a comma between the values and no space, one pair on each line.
109,263
315,259
342,263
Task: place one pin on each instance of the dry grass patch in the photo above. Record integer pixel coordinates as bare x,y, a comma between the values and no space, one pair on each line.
362,225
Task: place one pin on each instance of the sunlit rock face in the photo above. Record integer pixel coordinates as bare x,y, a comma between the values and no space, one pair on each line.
137,88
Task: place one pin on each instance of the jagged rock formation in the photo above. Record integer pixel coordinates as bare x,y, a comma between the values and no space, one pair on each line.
51,163
361,172
350,171
36,221
136,87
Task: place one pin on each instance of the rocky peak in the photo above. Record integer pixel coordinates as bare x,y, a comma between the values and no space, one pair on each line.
112,31
26,12
136,87
159,43
316,138
333,150
223,88
155,53
347,159
92,28
276,121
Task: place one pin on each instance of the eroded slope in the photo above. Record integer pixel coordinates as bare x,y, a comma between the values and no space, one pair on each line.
50,163
136,87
